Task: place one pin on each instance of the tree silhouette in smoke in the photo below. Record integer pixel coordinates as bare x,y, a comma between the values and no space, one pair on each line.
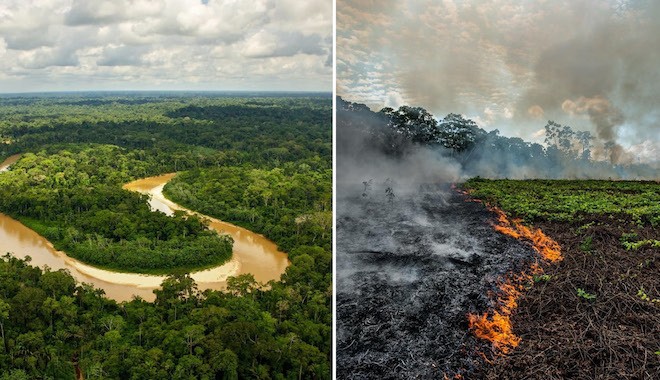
573,144
420,127
367,187
397,134
389,193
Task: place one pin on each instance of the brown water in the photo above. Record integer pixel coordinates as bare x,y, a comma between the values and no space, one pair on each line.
9,162
252,252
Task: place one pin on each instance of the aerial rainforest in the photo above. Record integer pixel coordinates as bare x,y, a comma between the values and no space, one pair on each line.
259,161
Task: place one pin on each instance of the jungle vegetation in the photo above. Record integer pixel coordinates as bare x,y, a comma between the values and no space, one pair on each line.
273,152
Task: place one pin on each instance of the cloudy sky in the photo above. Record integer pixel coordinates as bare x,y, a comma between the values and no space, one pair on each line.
510,64
68,45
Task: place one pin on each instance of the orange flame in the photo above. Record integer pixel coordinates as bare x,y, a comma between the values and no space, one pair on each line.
546,247
466,193
496,329
496,326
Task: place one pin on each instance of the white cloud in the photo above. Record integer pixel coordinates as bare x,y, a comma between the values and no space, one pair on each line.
160,44
44,57
283,44
261,44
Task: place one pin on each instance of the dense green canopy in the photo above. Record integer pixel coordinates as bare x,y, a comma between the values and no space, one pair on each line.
267,157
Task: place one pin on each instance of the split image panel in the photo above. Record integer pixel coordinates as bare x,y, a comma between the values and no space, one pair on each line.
350,189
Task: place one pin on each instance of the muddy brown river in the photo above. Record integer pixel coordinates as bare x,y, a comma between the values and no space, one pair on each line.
253,253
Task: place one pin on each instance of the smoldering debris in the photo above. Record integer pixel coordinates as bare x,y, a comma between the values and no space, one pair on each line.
409,270
413,257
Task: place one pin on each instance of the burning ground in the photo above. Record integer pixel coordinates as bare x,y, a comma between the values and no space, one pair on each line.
432,285
410,268
595,314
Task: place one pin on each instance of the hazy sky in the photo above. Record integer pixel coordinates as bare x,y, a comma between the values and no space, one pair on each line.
67,45
510,64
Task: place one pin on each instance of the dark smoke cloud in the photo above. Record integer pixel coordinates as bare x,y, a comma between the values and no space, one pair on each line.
368,148
606,118
609,73
512,64
602,113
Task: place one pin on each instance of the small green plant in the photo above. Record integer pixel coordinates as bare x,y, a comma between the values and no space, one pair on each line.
641,293
629,237
541,277
587,244
585,227
583,294
638,244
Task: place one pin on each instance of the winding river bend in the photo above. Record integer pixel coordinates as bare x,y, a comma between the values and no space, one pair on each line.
253,253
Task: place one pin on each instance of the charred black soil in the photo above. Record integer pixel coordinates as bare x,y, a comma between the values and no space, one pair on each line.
608,330
409,270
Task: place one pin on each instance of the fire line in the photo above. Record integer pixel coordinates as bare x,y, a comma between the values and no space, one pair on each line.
495,326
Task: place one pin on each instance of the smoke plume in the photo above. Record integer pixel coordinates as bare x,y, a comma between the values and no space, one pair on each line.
589,64
607,119
371,147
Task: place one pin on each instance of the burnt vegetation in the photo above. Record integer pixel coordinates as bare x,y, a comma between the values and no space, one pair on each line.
407,275
596,314
411,266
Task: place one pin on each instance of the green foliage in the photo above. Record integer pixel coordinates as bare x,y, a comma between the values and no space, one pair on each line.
638,244
79,150
585,227
176,132
75,199
585,295
184,334
629,237
631,241
641,293
414,125
586,244
574,144
571,200
290,205
541,278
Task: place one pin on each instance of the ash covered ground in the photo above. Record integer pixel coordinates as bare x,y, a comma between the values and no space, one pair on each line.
409,270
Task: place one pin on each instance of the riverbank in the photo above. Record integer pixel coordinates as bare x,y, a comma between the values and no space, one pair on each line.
21,241
253,253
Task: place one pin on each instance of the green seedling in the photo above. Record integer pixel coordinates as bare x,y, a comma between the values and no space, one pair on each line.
583,294
641,293
638,244
629,237
587,244
542,278
585,227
